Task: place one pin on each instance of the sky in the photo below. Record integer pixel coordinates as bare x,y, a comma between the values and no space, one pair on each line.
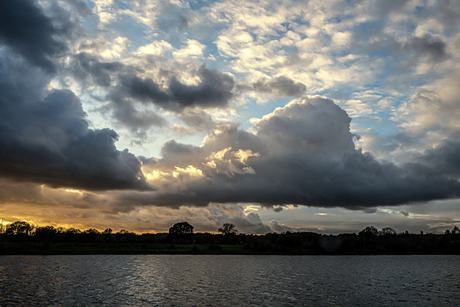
321,115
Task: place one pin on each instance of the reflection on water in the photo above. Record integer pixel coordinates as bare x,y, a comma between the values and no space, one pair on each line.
195,280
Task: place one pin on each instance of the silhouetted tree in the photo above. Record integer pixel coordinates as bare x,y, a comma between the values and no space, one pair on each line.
388,231
46,233
91,231
19,228
125,236
90,235
72,232
108,237
367,233
227,229
181,230
369,230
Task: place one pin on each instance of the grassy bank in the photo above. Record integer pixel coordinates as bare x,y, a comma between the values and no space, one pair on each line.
33,248
36,248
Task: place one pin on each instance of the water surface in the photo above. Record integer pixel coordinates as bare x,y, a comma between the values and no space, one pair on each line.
229,280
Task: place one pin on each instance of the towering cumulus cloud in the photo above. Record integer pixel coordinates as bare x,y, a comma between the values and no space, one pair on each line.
48,141
44,136
301,154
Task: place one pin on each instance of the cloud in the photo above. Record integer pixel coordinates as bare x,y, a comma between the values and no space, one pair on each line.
133,99
171,17
82,8
252,223
427,46
141,58
197,119
444,157
90,70
26,30
446,12
193,50
70,208
405,213
391,147
180,155
434,108
279,228
214,89
137,119
302,154
279,86
45,138
383,8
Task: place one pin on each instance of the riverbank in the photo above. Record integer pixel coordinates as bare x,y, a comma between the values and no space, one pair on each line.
36,248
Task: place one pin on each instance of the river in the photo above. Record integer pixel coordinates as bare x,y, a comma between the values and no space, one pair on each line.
229,280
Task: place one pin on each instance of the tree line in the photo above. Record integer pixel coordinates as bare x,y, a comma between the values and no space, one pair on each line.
369,240
21,231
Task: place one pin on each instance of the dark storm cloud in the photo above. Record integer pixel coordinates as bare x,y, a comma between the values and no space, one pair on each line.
87,68
26,30
433,48
445,157
127,89
44,138
410,52
90,70
138,122
306,156
279,86
214,90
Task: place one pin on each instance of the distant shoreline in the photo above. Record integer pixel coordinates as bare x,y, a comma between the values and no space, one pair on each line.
45,249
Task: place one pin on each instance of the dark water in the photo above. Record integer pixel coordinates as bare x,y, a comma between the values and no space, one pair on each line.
191,280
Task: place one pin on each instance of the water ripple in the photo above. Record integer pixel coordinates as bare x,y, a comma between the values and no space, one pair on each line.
201,280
